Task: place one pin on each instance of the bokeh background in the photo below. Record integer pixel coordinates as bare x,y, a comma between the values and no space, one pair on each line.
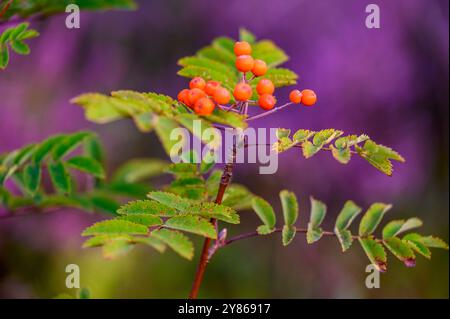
391,83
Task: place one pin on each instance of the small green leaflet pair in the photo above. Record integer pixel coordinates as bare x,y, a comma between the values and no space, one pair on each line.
402,248
312,142
14,38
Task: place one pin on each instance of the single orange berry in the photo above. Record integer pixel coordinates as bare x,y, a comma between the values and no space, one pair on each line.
183,96
295,96
222,96
309,97
259,68
198,83
242,92
204,106
194,95
242,48
265,86
211,87
267,101
244,63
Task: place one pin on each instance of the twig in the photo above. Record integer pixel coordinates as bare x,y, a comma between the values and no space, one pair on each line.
277,230
269,112
205,255
5,8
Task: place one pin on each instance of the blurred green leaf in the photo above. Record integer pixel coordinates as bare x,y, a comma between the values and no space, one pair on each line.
175,240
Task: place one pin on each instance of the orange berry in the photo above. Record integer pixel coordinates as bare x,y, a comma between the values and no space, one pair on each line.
244,63
222,96
242,92
265,86
198,83
194,95
211,87
183,96
309,97
267,101
204,106
242,48
295,96
259,68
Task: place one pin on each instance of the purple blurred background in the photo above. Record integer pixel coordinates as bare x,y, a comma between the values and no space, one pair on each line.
391,83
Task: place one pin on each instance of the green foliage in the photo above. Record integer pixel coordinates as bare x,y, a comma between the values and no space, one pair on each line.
142,216
14,38
373,247
217,62
162,114
27,8
342,149
59,157
25,166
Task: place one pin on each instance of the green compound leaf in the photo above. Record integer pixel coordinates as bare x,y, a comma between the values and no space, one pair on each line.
14,37
401,250
69,143
269,52
142,219
116,248
139,169
152,242
191,187
348,213
192,224
212,210
44,148
175,240
289,205
288,234
266,213
60,177
163,126
237,197
396,227
171,200
115,227
372,218
379,156
87,165
182,170
375,252
318,212
147,207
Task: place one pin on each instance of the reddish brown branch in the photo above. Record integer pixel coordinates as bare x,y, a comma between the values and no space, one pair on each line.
205,255
5,8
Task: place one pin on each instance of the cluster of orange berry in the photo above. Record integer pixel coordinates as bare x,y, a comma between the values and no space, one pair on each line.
203,96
